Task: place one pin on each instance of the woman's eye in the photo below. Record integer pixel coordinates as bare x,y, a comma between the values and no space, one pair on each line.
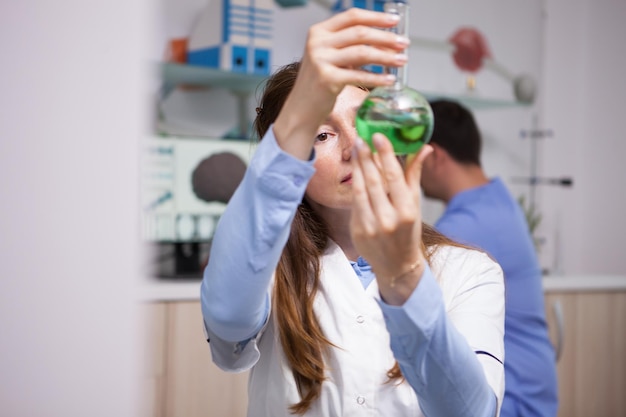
321,137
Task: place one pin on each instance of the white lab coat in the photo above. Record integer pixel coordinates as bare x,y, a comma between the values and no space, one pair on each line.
352,319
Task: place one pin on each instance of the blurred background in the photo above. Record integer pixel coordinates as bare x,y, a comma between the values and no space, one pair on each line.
105,124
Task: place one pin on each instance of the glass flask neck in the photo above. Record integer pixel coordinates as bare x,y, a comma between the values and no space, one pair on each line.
401,29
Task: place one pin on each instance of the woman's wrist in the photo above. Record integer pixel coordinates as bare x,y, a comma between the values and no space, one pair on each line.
294,136
414,266
395,290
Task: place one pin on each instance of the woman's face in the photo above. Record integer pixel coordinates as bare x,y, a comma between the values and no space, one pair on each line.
331,185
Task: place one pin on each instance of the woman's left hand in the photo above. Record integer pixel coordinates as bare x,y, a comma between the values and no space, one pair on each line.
386,222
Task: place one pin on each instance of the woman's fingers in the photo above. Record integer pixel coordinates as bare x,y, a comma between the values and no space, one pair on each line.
335,50
413,171
355,35
386,226
387,184
357,16
362,221
394,176
345,76
394,192
348,40
359,55
376,186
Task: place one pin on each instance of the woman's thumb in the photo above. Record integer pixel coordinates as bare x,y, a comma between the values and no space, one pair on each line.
413,172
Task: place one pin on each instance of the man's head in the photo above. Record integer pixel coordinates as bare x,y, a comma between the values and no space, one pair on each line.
457,143
456,131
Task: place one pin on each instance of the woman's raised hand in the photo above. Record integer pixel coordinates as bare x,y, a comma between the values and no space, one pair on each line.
335,50
386,222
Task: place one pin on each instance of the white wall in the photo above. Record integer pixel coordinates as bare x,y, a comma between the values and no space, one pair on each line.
584,95
71,89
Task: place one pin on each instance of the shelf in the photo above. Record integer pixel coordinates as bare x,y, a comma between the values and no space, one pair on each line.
179,74
475,102
174,74
584,283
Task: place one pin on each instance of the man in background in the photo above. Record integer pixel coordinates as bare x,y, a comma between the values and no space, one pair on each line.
482,213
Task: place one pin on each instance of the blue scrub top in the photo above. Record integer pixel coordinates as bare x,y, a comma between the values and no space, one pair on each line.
488,217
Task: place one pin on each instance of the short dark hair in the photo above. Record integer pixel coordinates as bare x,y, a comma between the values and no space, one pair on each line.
456,131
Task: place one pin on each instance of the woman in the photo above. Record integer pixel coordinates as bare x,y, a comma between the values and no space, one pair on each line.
322,279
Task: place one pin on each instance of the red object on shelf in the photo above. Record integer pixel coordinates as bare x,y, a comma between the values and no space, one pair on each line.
177,50
470,49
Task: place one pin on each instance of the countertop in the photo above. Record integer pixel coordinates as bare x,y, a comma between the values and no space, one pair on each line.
561,283
189,290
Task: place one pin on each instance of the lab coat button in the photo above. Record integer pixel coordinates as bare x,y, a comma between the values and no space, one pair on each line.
360,319
360,400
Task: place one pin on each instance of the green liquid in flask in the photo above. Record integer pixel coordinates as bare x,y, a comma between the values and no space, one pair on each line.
402,115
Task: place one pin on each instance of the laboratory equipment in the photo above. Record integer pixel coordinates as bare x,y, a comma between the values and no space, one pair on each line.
399,112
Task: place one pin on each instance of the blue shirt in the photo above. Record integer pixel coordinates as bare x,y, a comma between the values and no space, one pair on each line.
248,243
489,218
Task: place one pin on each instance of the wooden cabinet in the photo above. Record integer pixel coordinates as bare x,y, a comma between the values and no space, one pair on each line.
180,380
592,366
154,359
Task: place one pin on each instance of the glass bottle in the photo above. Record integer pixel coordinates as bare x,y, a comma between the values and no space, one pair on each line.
397,111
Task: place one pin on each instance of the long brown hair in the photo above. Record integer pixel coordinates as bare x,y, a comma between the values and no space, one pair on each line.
298,273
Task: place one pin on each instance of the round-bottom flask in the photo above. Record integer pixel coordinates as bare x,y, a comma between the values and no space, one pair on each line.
398,112
401,114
